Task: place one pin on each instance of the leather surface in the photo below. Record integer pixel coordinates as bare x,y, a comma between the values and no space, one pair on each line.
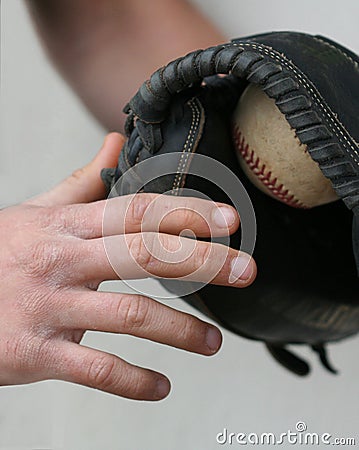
307,285
331,70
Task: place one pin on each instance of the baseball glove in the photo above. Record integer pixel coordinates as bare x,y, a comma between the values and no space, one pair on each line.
306,291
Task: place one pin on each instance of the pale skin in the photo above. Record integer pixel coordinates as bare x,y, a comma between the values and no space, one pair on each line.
53,260
53,256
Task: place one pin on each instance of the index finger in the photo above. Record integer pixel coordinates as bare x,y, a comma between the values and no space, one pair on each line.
145,212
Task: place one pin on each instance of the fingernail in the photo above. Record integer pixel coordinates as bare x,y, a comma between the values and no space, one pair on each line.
241,268
213,339
162,388
223,217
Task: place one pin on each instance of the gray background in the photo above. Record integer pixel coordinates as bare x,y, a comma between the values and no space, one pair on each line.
45,134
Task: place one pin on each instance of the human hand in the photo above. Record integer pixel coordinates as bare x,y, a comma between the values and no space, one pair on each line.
53,259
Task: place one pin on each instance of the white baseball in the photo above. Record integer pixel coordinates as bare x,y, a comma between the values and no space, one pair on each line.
272,156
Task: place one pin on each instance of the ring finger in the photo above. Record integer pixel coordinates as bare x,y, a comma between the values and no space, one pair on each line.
139,316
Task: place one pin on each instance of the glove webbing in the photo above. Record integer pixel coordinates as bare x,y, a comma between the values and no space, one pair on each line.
149,108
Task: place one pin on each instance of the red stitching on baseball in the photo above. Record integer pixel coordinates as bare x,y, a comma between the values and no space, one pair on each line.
261,172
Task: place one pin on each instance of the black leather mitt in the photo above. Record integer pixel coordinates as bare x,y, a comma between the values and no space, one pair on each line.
306,291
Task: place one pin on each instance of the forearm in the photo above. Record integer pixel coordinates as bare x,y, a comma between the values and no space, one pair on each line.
106,49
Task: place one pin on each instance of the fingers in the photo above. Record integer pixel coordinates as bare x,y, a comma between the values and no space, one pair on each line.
93,368
150,212
84,185
168,214
161,255
139,316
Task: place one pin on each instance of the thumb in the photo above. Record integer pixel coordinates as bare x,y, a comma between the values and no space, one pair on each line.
85,184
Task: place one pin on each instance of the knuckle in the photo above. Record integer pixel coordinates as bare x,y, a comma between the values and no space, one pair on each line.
186,216
132,312
203,255
137,208
42,352
190,328
26,352
48,219
45,256
77,175
138,386
40,259
141,248
15,352
61,219
101,372
34,302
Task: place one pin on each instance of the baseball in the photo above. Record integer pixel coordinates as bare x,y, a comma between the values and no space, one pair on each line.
272,156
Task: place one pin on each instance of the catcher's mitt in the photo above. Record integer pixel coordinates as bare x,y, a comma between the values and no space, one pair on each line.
306,290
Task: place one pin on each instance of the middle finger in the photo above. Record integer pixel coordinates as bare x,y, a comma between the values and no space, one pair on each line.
143,255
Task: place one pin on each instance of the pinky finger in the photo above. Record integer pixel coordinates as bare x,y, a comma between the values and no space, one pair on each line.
108,373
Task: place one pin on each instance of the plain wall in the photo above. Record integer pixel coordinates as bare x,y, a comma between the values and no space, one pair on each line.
45,135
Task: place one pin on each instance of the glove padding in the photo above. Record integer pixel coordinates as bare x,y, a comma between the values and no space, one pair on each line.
306,290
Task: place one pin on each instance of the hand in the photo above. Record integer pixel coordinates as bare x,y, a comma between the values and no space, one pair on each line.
53,259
